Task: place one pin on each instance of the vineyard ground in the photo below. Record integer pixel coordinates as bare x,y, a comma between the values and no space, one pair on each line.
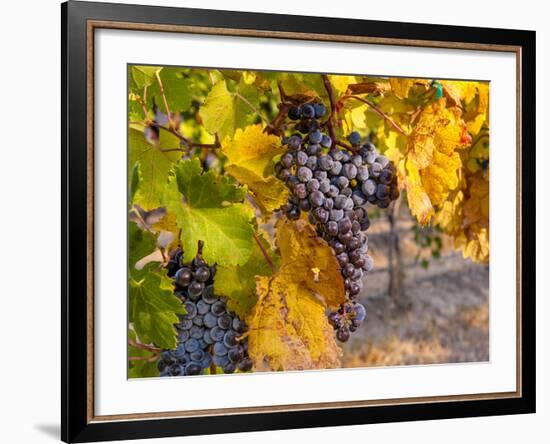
441,316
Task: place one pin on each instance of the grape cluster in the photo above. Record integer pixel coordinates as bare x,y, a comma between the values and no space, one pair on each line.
333,185
208,333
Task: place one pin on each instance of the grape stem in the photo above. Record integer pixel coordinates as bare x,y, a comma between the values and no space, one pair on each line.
376,110
161,86
156,351
264,252
184,139
332,100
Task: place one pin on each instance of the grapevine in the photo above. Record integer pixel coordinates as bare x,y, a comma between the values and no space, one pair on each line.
250,197
207,333
333,186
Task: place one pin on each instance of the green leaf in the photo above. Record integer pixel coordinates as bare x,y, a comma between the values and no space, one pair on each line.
140,368
209,207
154,165
135,181
238,283
153,308
141,243
179,90
144,75
224,111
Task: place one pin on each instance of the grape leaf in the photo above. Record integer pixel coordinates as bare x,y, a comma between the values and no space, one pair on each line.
153,308
154,165
209,207
310,261
436,128
140,368
238,284
144,75
288,327
224,111
250,160
340,83
401,86
135,181
309,85
179,90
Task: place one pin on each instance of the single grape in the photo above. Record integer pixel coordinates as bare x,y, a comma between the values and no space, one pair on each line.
326,141
301,158
190,310
342,334
307,111
235,354
195,288
219,349
229,368
208,295
238,325
202,307
320,110
315,136
354,138
191,345
183,277
225,321
193,368
230,339
175,370
196,332
210,320
217,333
218,308
202,274
294,113
246,364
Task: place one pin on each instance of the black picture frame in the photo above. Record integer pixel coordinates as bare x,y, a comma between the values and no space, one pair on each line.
76,423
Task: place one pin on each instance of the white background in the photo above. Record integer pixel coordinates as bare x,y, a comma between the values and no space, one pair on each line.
117,395
29,184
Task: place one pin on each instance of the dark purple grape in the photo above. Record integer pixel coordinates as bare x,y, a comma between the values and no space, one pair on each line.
238,325
342,334
235,354
294,113
246,365
183,277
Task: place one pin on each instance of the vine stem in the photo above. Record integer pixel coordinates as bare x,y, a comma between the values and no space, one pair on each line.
149,348
332,100
252,107
377,111
264,252
188,142
161,86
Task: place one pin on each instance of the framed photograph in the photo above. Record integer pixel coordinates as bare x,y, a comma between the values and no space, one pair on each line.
276,221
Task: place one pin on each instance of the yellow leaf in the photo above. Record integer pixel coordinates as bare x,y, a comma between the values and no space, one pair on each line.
449,217
250,160
477,111
458,91
288,328
308,260
340,83
475,244
476,207
419,201
441,176
436,128
401,86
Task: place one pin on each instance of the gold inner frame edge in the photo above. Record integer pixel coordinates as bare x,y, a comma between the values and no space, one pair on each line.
92,25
